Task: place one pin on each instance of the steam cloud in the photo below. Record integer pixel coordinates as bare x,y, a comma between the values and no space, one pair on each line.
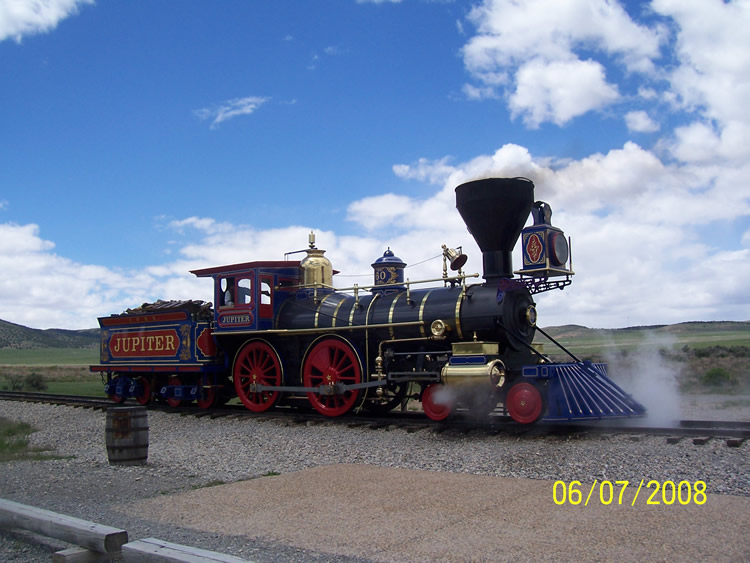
651,379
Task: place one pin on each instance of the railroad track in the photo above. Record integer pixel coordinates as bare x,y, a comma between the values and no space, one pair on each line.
735,432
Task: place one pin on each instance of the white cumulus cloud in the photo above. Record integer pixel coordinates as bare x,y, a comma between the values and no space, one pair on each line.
559,91
41,289
28,17
540,52
640,122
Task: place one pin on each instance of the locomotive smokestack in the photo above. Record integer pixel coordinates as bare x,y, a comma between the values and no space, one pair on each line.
495,210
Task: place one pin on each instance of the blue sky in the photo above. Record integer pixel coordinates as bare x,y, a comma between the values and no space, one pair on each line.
145,139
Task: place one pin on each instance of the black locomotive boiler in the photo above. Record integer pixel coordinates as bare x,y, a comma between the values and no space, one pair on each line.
281,334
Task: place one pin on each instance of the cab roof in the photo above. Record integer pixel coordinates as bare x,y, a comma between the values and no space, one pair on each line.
243,267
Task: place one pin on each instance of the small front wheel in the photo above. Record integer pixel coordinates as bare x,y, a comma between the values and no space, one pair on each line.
524,402
438,402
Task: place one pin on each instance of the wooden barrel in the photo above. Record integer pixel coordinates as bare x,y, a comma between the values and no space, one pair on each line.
127,435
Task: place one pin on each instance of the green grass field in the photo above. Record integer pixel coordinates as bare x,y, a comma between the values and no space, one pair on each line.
49,356
588,342
64,370
93,388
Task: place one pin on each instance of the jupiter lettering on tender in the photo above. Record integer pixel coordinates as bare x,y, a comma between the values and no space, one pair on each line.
144,343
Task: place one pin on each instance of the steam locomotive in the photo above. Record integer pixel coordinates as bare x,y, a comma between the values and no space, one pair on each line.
280,334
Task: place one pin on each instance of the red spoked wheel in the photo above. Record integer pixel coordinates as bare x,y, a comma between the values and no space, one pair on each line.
256,363
174,401
524,403
144,395
330,361
437,402
113,386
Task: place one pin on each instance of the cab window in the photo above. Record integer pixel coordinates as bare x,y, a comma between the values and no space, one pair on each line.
265,293
226,292
244,291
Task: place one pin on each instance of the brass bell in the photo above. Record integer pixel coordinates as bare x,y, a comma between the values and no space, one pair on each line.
455,258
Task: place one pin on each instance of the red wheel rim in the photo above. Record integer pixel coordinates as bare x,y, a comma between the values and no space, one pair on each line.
208,398
331,361
524,403
437,405
113,385
174,401
144,397
257,364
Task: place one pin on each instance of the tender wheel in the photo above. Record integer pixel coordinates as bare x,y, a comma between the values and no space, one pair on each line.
207,397
113,387
330,361
256,363
174,401
158,383
524,403
437,402
144,395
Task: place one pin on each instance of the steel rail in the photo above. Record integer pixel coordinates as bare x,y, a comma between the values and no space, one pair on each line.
462,422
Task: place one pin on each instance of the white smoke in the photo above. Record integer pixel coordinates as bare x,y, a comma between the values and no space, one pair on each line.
651,378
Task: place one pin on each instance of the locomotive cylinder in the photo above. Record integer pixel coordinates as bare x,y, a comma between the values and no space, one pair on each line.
474,364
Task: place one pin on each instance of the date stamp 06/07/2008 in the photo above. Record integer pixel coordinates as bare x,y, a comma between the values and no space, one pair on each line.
667,492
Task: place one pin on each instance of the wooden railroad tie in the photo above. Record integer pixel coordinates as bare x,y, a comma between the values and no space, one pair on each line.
94,537
96,542
154,550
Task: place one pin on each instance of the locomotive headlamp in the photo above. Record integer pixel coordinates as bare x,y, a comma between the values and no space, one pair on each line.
497,373
439,327
531,315
558,249
546,251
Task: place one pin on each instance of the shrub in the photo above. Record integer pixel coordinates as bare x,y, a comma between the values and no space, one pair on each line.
35,382
15,382
718,376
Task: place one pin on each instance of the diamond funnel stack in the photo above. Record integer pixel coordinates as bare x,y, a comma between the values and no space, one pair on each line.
495,210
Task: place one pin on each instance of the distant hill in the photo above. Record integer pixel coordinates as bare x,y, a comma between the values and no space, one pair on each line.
20,337
568,331
578,331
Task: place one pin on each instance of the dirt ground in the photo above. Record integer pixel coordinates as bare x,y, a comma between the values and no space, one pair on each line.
430,516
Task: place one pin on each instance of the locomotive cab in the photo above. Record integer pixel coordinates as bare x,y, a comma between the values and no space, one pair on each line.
249,295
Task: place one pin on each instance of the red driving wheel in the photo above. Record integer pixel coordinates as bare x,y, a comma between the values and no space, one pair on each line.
256,363
524,403
330,361
437,402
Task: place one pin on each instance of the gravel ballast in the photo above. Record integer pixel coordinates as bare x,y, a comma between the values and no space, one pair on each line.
187,453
